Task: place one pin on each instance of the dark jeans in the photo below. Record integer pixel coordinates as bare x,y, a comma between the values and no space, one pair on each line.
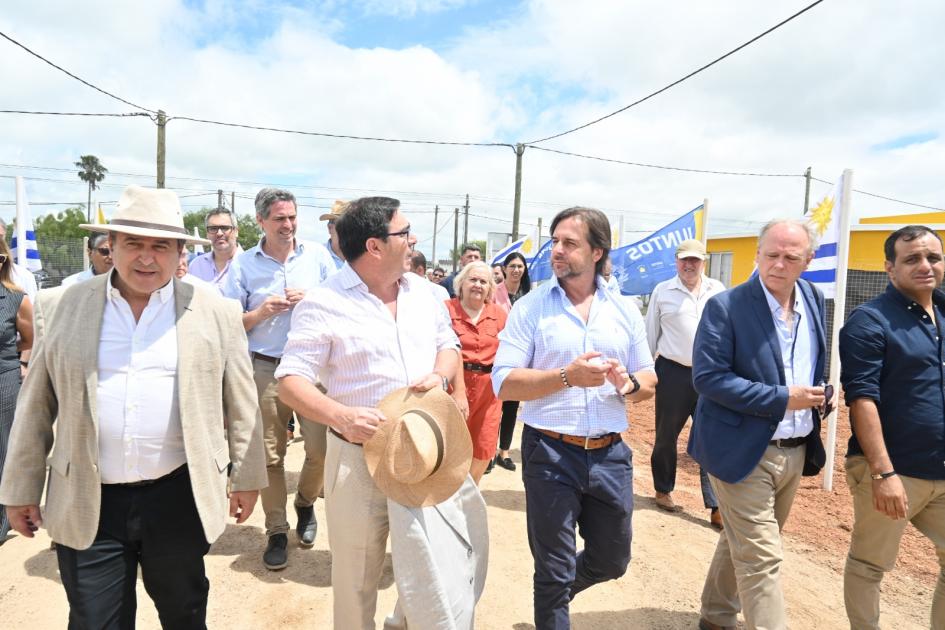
568,487
156,526
676,400
507,428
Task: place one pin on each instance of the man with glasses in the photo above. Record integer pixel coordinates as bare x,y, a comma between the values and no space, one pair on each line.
100,257
337,210
891,358
757,365
438,274
269,280
222,232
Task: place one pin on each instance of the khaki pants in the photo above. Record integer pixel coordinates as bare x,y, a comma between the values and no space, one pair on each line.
275,416
357,534
745,570
874,544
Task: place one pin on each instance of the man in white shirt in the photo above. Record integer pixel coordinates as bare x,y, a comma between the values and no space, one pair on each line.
368,330
100,259
671,321
136,371
418,265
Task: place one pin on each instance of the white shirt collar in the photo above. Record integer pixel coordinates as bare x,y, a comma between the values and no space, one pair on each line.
164,294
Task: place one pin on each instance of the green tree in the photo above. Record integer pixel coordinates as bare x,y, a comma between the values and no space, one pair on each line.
249,230
92,172
62,225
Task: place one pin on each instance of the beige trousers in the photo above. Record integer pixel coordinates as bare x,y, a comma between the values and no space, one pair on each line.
874,544
357,534
275,416
745,570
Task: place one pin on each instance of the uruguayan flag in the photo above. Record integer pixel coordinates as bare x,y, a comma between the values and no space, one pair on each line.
539,267
23,245
825,219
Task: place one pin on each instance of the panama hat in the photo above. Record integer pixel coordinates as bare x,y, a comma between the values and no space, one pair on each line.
151,212
421,454
337,209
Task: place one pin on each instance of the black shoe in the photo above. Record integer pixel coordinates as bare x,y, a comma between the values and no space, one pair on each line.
307,526
275,556
505,462
490,466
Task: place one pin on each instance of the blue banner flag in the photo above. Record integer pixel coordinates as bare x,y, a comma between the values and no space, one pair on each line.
641,266
539,268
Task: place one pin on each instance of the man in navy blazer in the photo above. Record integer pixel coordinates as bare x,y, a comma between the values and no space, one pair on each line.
758,365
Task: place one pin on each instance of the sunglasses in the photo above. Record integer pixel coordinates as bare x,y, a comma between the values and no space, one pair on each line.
104,251
219,229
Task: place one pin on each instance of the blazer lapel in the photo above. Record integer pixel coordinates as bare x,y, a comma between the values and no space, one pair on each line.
185,322
89,316
763,313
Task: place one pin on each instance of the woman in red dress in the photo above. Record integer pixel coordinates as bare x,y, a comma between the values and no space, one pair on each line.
477,321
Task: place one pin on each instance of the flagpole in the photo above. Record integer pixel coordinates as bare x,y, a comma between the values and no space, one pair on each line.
839,307
21,221
705,221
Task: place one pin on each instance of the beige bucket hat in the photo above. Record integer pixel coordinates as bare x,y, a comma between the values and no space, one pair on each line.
421,454
151,212
337,209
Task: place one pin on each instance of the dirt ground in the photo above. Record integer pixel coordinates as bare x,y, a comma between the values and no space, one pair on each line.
661,590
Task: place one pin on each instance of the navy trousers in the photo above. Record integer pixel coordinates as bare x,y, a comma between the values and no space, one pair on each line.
156,526
569,490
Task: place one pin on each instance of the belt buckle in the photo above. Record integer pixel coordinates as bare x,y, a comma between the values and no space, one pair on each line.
587,440
777,443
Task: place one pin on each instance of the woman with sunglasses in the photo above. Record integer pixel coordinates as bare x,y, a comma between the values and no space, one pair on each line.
16,335
515,286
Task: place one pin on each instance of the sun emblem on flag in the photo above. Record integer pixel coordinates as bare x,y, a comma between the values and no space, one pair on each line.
821,215
527,246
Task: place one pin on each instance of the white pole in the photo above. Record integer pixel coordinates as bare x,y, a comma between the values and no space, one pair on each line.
839,306
21,221
705,221
619,243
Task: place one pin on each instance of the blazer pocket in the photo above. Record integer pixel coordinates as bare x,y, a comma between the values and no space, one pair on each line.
58,464
222,458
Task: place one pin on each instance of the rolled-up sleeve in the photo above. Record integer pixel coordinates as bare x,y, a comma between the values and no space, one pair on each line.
516,344
308,346
233,286
862,351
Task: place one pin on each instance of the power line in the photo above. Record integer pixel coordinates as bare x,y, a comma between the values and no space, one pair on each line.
678,81
667,168
869,194
340,136
79,79
21,111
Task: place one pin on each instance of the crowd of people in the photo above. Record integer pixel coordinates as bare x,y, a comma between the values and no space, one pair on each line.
160,393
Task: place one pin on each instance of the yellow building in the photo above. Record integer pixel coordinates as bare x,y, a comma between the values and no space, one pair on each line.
732,258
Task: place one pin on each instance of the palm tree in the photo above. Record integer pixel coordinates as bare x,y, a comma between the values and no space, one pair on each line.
91,171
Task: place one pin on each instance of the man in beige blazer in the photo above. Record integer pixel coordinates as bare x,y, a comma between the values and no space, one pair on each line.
137,372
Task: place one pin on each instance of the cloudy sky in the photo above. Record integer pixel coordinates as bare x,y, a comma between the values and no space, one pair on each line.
850,84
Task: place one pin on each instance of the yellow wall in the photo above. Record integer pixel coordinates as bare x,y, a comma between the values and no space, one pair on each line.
743,254
905,219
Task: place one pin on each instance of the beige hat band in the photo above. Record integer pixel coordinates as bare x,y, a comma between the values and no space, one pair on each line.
150,226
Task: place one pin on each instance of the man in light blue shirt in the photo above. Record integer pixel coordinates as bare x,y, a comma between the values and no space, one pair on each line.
575,352
269,280
332,245
222,232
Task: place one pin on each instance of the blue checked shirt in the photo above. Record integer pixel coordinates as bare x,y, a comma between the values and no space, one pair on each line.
545,331
254,276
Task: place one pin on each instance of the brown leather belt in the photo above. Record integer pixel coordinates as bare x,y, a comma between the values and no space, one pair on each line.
477,367
587,443
788,442
265,357
343,438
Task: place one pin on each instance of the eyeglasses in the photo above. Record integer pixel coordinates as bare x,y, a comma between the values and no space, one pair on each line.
104,251
437,275
404,233
219,229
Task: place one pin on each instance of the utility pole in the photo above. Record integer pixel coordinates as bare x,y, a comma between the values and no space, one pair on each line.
233,202
516,210
455,235
466,221
807,190
436,216
161,147
538,244
219,197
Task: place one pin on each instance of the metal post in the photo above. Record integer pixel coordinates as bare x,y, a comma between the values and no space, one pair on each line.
455,236
436,217
516,210
466,221
161,146
807,190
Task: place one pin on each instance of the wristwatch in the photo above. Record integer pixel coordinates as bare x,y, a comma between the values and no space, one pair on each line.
636,385
885,475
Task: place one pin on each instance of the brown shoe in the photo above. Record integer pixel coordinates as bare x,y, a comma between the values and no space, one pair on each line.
664,501
708,625
715,519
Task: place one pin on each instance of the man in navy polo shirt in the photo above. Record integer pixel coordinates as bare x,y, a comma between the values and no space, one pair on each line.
893,373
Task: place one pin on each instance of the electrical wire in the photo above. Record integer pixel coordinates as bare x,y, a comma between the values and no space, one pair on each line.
21,111
678,81
79,79
869,194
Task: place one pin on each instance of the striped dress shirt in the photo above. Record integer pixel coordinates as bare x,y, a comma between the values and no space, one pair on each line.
545,331
346,338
